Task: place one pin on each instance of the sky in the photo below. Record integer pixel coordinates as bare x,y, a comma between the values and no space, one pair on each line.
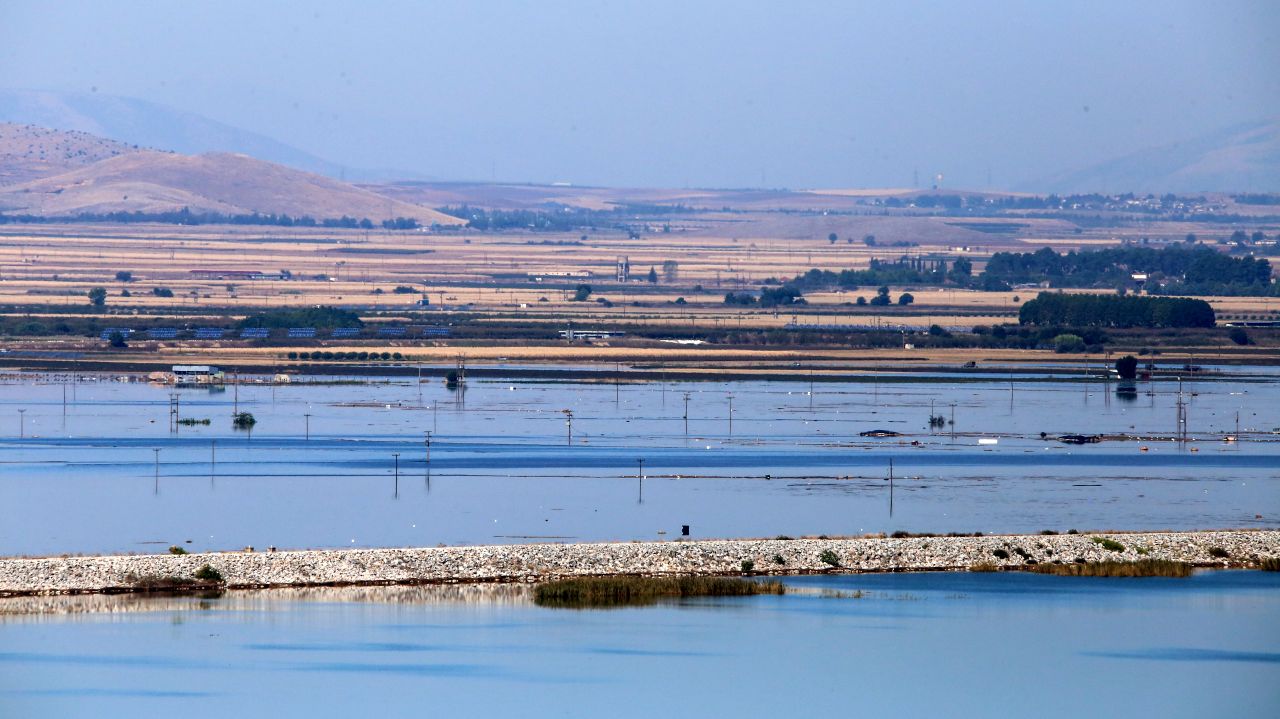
677,93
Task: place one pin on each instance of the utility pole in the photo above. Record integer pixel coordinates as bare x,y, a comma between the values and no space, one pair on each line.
891,486
568,421
640,475
730,415
427,465
396,456
953,421
213,459
157,452
22,425
307,418
686,414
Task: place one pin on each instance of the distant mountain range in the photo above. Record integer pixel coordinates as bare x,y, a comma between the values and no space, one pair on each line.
1242,158
62,173
148,124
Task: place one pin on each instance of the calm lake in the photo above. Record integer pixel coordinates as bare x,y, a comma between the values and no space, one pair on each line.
79,470
914,645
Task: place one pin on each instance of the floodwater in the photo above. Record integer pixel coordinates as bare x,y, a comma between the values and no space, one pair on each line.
79,470
914,645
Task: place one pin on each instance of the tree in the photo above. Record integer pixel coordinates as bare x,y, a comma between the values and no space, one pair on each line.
670,270
1127,367
162,292
124,276
653,276
97,297
869,240
1068,343
862,301
1239,336
582,293
882,297
906,298
116,339
832,238
243,420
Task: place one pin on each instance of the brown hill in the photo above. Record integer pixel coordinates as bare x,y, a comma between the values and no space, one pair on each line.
29,152
150,181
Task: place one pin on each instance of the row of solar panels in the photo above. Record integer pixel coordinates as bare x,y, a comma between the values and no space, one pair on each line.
261,333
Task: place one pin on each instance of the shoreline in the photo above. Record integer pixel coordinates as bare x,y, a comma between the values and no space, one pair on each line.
542,562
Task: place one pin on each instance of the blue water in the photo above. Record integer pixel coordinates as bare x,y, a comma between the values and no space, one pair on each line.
917,645
85,476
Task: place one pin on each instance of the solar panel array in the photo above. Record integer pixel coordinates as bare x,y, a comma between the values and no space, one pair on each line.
346,331
254,333
162,333
391,332
123,331
209,333
302,332
436,331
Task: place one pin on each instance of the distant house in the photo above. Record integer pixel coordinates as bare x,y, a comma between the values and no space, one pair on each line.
196,374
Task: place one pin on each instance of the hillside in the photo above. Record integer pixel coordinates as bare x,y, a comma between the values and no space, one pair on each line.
150,181
29,152
153,125
1243,158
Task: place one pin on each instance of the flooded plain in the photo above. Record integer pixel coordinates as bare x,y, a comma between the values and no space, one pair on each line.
92,465
907,645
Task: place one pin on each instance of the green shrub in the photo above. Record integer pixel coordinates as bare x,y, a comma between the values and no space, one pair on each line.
207,573
1108,544
829,557
777,559
1000,554
748,566
1218,553
175,549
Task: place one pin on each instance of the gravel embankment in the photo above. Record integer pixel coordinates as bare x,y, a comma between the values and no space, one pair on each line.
535,562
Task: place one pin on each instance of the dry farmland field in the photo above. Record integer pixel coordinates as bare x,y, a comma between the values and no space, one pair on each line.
516,279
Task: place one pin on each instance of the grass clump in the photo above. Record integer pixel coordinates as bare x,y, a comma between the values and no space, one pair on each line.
1269,564
175,549
829,558
605,592
159,583
1141,568
1218,553
1108,544
984,567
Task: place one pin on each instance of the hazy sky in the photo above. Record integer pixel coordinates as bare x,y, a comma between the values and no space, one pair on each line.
662,92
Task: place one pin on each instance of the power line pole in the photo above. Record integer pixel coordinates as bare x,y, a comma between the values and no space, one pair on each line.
686,414
396,455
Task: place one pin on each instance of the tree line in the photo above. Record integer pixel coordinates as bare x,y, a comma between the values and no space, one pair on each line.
1081,310
186,217
1178,270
